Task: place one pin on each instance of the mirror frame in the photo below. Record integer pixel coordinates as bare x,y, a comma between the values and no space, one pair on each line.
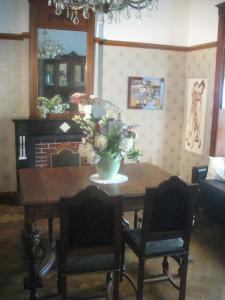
43,16
219,78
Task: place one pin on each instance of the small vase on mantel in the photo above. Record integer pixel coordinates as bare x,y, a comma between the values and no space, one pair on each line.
108,166
87,111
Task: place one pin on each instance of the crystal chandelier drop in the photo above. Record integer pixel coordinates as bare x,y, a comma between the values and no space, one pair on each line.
49,48
105,9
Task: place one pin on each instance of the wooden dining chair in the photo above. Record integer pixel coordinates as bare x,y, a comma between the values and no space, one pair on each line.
90,238
63,158
166,229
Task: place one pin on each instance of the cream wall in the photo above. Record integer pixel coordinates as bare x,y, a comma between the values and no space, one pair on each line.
203,21
13,103
166,25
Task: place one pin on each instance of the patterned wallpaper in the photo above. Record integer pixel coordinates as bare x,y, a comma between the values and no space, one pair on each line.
14,100
160,132
200,63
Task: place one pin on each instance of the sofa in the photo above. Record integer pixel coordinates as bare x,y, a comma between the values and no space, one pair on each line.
211,196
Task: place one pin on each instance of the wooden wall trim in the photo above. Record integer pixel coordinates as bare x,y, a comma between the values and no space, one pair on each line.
139,45
12,36
154,46
26,35
203,46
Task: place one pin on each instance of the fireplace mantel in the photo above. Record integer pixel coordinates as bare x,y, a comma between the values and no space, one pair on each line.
30,132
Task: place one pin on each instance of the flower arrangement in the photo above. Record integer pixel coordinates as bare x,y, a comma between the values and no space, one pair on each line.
81,98
54,104
109,137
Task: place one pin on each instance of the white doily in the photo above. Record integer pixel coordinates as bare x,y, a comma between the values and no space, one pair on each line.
118,178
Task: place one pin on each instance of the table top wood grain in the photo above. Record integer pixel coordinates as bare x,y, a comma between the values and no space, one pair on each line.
47,185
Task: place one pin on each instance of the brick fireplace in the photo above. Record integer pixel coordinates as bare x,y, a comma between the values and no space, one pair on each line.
37,139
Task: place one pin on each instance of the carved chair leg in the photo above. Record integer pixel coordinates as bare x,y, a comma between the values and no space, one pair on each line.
140,279
183,276
122,260
116,277
135,218
165,265
63,284
50,230
109,285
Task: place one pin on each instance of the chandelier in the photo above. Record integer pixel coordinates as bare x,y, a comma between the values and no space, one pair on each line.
105,9
48,48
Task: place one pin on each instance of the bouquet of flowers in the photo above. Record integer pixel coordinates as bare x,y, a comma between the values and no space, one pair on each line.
109,137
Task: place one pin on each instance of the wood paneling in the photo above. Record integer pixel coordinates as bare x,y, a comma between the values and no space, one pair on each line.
218,81
220,142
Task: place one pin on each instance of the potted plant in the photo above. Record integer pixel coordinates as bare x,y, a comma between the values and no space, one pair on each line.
54,105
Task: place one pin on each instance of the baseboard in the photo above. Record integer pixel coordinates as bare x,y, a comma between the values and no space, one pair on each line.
9,198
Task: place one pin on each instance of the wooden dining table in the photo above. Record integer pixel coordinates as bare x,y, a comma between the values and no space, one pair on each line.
41,189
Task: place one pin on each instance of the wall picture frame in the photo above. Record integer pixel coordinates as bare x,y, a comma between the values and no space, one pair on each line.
196,112
145,93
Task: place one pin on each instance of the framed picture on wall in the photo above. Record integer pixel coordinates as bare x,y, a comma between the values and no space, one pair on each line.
196,112
145,93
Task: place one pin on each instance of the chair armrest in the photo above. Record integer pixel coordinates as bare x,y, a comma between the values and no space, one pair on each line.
199,173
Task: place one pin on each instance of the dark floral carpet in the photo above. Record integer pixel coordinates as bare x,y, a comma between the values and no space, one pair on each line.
206,273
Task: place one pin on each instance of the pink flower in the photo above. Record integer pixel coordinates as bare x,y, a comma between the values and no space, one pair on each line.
77,98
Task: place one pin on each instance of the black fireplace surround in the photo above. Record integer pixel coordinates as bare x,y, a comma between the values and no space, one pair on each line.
29,132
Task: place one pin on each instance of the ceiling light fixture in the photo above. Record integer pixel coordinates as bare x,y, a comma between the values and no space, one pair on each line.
105,9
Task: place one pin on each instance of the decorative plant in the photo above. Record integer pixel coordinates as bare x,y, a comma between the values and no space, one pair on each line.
54,104
107,136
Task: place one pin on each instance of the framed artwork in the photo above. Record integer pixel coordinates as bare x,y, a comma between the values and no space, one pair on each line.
145,93
196,114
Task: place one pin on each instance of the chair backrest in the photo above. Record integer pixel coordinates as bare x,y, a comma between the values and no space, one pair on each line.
65,158
168,211
90,223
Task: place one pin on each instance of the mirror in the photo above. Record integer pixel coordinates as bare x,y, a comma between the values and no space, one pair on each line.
61,63
61,55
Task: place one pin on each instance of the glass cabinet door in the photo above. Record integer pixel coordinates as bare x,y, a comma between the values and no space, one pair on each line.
63,74
49,74
78,76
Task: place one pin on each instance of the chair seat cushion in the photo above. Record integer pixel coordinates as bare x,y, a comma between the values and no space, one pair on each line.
154,248
92,263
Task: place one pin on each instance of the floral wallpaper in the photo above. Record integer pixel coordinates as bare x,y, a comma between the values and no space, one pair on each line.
160,132
14,101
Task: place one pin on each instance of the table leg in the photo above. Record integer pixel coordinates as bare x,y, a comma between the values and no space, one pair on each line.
31,239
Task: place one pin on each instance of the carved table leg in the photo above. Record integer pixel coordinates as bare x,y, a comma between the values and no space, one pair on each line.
31,239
